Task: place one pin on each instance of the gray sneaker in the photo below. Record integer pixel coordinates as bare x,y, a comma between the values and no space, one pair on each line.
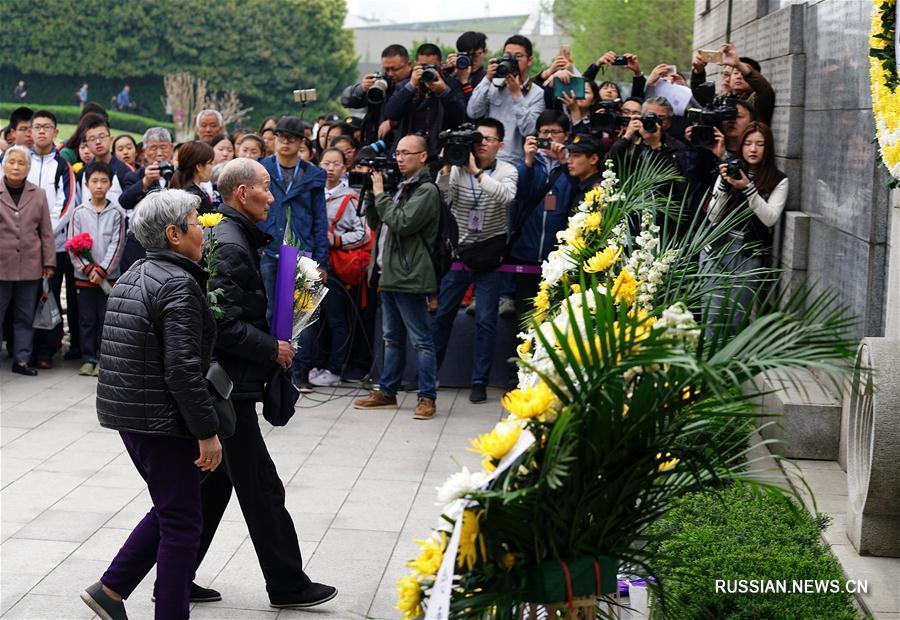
102,605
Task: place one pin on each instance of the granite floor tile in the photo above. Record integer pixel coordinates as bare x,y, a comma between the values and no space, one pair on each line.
46,607
64,525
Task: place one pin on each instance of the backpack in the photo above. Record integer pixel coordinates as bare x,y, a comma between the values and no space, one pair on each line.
447,240
350,265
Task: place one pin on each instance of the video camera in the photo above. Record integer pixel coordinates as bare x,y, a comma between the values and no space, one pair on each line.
377,92
506,65
607,117
705,119
375,156
459,144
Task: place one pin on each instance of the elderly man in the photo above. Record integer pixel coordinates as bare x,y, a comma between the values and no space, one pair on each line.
249,353
209,125
157,151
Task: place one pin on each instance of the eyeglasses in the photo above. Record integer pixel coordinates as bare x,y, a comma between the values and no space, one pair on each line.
330,164
490,139
95,139
286,137
43,127
407,153
551,132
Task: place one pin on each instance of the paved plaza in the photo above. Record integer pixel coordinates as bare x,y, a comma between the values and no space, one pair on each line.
360,486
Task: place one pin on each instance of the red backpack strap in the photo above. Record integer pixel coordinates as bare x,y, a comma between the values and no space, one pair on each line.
340,213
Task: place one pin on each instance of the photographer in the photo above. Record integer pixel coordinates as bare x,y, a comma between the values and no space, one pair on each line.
646,136
544,201
427,102
479,195
471,51
753,182
411,217
741,78
512,98
630,61
395,67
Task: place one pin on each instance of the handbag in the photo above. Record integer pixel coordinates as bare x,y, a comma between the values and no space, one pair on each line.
47,315
218,382
350,265
279,397
484,255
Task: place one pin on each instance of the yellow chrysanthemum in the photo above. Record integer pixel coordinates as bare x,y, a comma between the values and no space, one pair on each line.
410,602
470,540
625,287
603,260
429,560
542,301
885,102
303,301
593,220
210,220
529,402
667,464
578,244
496,444
594,196
524,349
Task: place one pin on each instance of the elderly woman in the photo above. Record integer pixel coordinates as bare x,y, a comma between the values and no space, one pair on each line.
27,251
157,342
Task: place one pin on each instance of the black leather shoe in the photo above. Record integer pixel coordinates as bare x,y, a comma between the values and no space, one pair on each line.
314,594
478,394
200,594
24,369
102,605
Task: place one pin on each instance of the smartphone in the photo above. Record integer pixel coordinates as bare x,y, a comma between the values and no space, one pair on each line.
564,50
575,84
711,56
672,69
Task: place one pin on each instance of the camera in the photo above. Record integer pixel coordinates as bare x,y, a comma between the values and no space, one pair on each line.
735,166
458,143
384,164
607,117
378,90
166,170
463,60
543,143
651,122
704,119
506,65
305,95
620,61
430,73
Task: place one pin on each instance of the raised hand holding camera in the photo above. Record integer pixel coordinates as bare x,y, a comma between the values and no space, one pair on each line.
415,78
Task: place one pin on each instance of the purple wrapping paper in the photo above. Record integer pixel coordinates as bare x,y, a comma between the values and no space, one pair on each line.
285,281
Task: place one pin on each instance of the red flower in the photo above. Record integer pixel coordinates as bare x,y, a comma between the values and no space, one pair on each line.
80,244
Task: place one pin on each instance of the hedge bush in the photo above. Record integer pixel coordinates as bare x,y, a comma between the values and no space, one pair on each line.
736,534
69,114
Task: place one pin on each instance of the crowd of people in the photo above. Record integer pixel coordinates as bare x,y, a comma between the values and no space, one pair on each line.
444,190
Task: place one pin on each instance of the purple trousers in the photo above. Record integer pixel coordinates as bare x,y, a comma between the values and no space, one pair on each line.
168,535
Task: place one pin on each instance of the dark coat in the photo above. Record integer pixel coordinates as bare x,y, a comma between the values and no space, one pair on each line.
244,347
154,356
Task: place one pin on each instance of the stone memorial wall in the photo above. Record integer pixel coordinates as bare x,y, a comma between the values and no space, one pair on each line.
815,54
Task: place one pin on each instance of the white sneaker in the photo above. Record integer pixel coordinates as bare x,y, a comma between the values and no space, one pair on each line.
313,373
325,378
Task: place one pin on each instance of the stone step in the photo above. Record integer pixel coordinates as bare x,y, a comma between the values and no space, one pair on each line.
809,422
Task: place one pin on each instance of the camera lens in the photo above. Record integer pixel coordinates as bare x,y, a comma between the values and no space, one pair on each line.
463,61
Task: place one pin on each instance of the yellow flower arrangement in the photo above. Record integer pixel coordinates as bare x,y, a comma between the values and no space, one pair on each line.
625,287
594,196
593,220
496,444
410,597
429,560
210,220
470,540
528,402
603,260
885,100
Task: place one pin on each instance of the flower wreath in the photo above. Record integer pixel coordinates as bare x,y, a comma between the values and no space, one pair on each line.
886,85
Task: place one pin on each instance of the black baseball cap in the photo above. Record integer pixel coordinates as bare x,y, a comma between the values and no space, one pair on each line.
291,125
584,143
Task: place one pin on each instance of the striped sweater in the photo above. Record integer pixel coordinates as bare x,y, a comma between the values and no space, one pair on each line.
486,199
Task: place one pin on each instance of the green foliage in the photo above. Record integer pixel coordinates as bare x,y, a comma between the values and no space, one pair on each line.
69,114
740,534
658,31
261,49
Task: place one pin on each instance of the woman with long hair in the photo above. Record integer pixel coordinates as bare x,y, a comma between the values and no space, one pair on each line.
126,150
195,165
266,131
223,148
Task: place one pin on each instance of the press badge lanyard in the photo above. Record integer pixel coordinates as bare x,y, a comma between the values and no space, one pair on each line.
476,217
281,179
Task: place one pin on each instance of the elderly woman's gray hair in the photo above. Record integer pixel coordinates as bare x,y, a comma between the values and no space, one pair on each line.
661,102
237,172
210,112
19,149
158,211
156,134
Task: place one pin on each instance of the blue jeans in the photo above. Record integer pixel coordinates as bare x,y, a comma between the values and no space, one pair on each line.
487,296
405,314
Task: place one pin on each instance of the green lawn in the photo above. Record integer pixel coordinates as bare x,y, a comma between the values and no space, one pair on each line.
65,131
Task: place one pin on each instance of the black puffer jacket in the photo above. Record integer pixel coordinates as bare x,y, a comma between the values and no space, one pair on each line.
150,384
244,347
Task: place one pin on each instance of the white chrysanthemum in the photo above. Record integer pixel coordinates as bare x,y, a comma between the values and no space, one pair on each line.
309,270
458,484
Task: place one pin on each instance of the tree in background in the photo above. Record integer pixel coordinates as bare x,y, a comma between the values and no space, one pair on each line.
259,49
658,31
